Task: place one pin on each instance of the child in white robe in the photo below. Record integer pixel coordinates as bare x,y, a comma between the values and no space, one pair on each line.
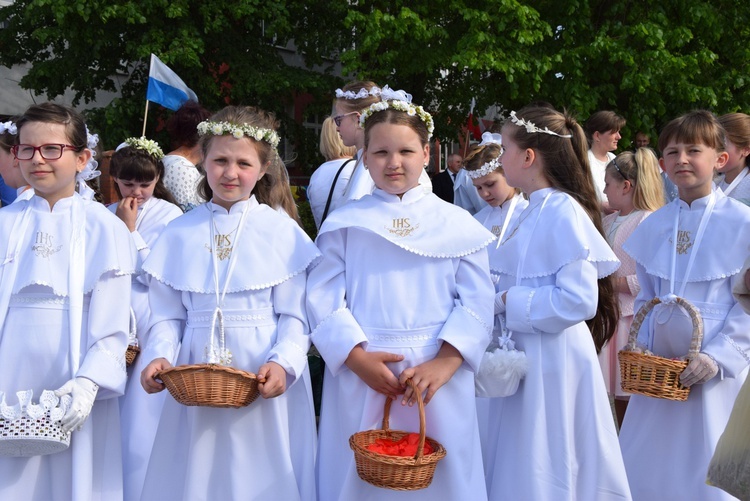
732,178
634,189
693,248
504,204
265,450
145,207
555,437
403,291
65,280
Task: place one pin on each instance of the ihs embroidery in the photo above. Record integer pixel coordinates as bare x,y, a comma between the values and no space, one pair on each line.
496,229
683,242
223,246
401,227
43,246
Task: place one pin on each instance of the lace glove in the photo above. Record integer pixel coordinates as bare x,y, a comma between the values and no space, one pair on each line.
699,370
83,391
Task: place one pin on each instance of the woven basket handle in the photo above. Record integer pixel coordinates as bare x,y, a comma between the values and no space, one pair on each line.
695,316
422,422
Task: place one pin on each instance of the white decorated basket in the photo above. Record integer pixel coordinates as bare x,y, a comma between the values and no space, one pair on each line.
29,429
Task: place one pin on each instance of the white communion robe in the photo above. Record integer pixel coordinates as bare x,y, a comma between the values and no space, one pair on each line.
140,411
555,438
666,444
35,341
401,276
495,219
265,450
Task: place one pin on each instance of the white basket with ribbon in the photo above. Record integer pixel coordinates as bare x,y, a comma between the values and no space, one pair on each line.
502,368
29,429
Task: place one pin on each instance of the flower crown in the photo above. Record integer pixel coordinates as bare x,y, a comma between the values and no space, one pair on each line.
399,101
8,127
149,146
361,94
531,128
238,131
488,138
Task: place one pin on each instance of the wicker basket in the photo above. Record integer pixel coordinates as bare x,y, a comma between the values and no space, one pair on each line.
652,375
28,429
130,354
396,472
210,385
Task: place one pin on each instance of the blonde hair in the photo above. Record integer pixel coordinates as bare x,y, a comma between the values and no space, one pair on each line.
482,154
642,170
331,145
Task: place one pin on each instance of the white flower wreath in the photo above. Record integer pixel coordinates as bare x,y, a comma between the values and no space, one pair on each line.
400,101
148,145
220,128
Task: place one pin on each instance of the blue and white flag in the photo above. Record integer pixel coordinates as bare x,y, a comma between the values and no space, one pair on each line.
166,88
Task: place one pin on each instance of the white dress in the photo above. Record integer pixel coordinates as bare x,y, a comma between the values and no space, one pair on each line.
739,189
267,449
402,276
465,194
598,171
667,445
320,185
181,178
35,341
495,219
555,437
139,411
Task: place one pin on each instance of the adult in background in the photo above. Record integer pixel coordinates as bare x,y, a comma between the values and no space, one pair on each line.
642,140
181,176
442,184
329,181
602,132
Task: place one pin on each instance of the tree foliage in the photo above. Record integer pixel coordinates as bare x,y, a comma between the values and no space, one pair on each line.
647,61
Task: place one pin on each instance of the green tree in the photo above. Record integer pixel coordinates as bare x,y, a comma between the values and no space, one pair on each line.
226,51
648,61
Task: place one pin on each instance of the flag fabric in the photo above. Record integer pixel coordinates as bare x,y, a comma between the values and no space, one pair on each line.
166,88
474,128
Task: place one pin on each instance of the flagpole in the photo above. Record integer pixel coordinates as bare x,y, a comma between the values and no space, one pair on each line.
145,116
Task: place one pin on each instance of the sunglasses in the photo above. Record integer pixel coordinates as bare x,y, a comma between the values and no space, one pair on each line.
338,118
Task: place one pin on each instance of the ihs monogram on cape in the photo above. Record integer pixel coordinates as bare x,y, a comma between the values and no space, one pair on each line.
402,227
223,244
43,245
683,242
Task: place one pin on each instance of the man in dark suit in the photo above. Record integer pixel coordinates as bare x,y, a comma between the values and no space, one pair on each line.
442,184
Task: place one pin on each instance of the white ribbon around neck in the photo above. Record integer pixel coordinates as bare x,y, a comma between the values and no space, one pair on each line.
511,208
222,355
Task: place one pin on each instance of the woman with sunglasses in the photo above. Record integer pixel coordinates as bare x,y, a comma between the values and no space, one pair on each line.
633,186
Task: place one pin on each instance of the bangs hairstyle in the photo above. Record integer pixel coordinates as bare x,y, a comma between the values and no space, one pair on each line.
350,105
273,189
696,127
52,113
642,170
737,129
133,164
182,125
396,117
331,145
603,121
566,167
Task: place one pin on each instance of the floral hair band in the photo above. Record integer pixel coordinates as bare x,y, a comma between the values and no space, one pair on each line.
399,101
148,145
531,128
361,94
484,169
238,131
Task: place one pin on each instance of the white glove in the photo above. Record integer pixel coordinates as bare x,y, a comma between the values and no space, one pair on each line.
700,369
83,391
